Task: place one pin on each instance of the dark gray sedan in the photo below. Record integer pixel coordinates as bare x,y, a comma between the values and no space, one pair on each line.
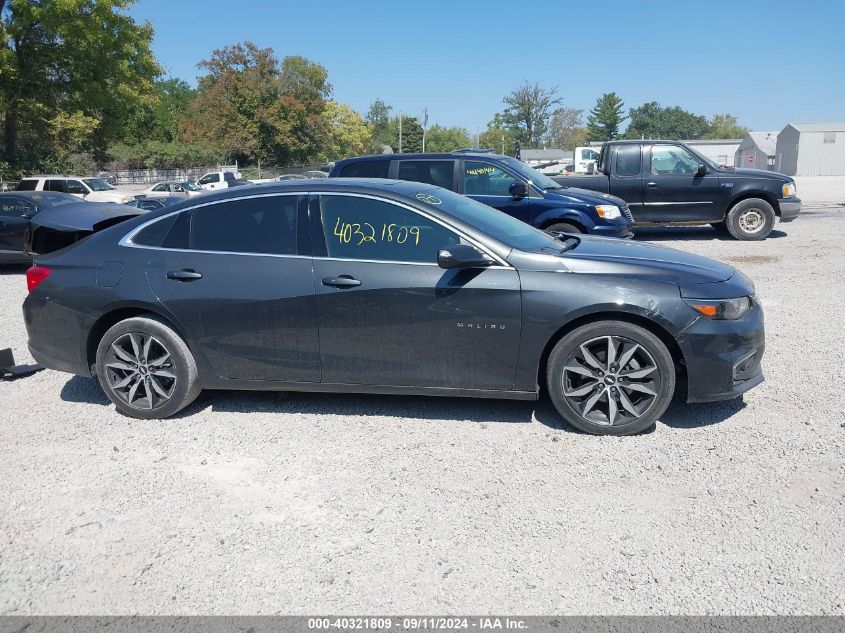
379,286
16,210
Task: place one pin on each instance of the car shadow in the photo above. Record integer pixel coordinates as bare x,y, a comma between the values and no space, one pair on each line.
689,233
679,415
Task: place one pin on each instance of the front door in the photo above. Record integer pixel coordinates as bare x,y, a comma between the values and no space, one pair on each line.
389,315
490,184
14,218
237,276
673,191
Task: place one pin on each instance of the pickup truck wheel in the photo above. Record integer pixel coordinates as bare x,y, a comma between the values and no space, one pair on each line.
610,378
751,219
563,227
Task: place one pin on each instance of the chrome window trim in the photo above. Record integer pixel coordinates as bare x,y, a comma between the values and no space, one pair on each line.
464,236
126,240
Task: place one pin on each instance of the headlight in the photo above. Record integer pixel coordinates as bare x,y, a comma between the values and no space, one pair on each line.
608,211
788,189
726,309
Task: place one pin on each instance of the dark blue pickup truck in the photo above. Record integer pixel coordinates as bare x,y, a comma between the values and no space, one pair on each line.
669,183
505,184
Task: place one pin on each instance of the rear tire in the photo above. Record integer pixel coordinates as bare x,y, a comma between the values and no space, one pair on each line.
751,220
146,369
610,378
563,227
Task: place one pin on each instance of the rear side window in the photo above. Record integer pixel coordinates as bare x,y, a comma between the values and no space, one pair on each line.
56,185
27,185
366,169
264,225
431,172
154,234
15,207
628,160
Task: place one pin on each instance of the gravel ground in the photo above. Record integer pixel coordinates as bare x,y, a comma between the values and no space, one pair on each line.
260,503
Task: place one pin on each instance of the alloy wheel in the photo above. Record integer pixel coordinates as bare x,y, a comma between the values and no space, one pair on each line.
139,369
611,380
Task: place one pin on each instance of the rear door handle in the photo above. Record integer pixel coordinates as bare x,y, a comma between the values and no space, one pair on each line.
651,185
184,275
343,281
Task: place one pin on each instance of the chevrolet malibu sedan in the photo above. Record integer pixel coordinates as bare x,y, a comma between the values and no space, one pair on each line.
389,287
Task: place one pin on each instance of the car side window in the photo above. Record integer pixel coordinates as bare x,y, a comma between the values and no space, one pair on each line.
27,184
56,185
208,178
668,160
431,172
628,160
74,186
484,179
366,169
15,208
365,228
160,187
261,225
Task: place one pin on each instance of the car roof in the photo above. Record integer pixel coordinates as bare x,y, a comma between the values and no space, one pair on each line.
418,155
57,176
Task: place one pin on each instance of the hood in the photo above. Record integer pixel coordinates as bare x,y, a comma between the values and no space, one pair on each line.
57,227
598,255
760,174
576,195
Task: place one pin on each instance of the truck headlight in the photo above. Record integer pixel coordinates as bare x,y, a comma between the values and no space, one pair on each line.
608,211
723,309
788,189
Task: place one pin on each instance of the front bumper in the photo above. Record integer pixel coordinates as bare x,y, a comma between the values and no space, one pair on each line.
613,230
723,357
789,209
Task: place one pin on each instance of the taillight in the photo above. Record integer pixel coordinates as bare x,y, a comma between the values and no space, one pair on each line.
35,276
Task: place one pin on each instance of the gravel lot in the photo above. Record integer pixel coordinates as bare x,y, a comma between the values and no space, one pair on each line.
262,503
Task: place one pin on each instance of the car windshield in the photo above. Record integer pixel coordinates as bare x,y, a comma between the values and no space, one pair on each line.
54,200
531,174
500,226
98,184
190,186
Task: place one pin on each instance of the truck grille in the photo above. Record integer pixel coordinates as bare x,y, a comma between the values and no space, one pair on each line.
627,213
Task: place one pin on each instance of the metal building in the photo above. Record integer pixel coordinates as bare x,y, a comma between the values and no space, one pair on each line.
811,149
757,151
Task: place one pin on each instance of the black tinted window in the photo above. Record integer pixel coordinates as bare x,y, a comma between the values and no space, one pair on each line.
56,185
363,228
431,172
15,207
27,185
154,234
628,160
366,169
255,225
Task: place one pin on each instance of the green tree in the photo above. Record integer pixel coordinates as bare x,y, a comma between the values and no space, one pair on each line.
652,121
605,118
498,136
348,133
378,117
70,61
446,139
528,110
412,134
725,126
566,129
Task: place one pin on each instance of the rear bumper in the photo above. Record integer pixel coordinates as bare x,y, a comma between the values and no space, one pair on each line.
58,336
723,357
789,209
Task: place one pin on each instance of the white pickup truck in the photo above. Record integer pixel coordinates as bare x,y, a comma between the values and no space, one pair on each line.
214,180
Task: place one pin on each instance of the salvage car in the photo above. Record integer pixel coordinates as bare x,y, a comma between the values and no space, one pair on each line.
184,189
669,183
389,287
505,184
16,211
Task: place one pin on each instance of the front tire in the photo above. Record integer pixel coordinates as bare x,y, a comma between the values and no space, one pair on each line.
562,227
146,369
751,219
610,378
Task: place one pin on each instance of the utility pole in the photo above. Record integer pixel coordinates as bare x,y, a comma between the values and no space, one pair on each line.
400,132
425,126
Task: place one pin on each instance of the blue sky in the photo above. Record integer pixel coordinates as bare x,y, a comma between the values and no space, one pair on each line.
768,62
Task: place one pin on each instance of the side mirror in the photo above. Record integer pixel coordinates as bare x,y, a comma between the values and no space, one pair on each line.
518,190
702,169
462,256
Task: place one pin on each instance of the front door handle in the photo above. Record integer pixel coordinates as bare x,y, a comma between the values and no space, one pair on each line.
343,281
651,185
184,275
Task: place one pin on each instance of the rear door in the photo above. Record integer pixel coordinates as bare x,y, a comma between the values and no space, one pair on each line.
625,179
389,315
237,276
673,191
14,218
490,184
